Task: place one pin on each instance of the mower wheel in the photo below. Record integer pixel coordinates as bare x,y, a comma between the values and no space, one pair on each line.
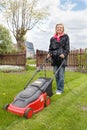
28,113
5,106
47,102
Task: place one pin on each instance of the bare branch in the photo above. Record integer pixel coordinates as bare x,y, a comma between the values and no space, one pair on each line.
23,15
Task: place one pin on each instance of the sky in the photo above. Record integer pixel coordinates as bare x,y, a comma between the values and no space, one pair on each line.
71,13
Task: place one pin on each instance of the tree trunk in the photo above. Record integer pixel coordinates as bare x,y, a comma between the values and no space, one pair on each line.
21,45
20,39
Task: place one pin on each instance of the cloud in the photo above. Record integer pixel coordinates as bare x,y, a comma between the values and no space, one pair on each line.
67,5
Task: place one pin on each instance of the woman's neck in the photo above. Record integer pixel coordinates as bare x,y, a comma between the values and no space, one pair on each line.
59,34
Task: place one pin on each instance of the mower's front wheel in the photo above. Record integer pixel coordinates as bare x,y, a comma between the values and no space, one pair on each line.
28,113
47,102
5,106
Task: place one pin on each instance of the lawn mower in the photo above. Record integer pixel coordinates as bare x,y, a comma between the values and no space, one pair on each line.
33,98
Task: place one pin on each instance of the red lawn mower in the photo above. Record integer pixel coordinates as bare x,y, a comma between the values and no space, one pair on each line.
33,98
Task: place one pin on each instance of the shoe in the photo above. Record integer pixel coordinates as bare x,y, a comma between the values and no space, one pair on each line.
58,92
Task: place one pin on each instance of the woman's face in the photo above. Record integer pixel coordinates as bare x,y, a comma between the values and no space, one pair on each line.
59,29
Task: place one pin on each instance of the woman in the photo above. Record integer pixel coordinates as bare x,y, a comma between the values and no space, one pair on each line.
58,51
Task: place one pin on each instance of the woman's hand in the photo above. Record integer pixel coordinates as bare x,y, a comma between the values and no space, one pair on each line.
48,56
62,56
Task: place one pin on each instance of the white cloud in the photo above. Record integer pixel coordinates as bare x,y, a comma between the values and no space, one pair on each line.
68,5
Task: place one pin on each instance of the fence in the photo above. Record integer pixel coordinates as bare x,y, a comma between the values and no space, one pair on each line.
20,58
72,60
40,57
13,59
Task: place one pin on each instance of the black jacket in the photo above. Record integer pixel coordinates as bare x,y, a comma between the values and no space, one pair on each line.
59,47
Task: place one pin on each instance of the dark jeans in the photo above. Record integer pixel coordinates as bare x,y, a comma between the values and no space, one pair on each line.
59,78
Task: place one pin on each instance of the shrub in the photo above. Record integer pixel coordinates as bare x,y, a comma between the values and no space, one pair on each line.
5,40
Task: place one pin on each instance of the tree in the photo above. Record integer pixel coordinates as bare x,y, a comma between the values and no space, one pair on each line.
21,16
5,40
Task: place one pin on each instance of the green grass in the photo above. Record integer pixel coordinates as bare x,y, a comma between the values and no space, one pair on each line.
66,112
31,61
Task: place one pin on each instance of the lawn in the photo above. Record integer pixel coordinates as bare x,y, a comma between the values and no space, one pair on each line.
66,112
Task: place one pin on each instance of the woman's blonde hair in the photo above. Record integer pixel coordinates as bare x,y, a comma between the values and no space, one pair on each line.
61,25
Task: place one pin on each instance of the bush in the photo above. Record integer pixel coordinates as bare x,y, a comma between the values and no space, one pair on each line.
5,40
